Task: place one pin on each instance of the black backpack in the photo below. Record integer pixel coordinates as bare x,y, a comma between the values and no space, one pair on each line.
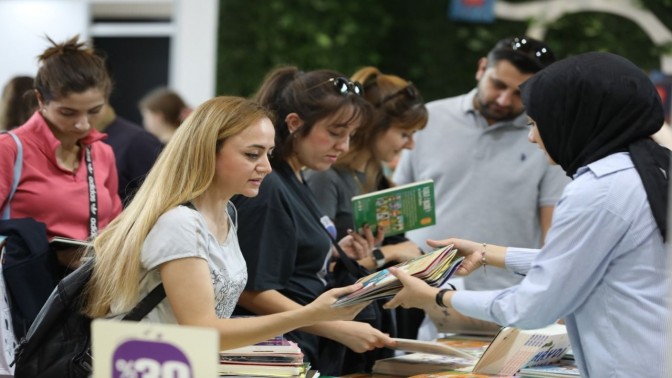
58,343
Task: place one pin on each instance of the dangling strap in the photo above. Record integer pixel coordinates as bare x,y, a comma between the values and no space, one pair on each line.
18,166
93,195
312,207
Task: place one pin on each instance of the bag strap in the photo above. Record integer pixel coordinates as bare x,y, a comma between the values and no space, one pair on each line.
347,261
18,166
147,303
93,194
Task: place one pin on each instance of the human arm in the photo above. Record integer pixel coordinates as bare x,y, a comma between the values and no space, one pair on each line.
357,336
394,253
190,293
545,217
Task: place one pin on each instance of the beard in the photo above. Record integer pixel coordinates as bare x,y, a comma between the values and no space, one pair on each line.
493,112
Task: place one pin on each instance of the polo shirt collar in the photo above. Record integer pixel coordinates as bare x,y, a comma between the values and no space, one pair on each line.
39,133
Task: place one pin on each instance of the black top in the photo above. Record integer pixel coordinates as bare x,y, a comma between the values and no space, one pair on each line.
283,244
135,151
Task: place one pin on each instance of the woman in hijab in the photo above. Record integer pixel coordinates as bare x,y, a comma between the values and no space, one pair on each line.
603,266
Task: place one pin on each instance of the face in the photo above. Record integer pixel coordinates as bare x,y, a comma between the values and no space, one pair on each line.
534,137
498,96
242,161
390,144
152,121
71,117
327,140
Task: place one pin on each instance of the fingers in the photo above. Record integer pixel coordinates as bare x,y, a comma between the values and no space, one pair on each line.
439,243
345,290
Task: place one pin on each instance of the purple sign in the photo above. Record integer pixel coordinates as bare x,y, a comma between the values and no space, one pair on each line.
150,359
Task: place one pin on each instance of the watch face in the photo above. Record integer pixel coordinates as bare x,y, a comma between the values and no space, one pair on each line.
378,254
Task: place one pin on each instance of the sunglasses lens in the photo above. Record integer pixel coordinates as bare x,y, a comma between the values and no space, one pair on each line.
533,49
357,88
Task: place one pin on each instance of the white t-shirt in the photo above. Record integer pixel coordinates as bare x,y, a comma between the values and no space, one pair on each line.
182,232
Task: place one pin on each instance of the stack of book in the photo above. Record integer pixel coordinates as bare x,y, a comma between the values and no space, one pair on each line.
434,268
276,357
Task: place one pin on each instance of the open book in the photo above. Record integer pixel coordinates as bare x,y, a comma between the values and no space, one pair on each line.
398,209
511,350
434,268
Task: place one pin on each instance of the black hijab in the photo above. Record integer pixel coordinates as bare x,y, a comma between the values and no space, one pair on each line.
592,105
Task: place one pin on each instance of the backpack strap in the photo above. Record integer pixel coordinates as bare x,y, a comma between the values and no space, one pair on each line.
146,304
18,165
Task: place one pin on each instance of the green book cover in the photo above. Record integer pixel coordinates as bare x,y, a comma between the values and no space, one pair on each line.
399,209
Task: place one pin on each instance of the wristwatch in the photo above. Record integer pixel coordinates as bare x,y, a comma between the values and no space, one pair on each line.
378,257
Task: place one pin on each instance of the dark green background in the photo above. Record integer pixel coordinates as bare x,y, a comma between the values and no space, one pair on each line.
413,39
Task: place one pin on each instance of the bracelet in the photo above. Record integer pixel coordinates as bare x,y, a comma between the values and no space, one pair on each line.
484,262
439,296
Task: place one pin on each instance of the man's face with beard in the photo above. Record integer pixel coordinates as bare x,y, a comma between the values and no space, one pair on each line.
498,96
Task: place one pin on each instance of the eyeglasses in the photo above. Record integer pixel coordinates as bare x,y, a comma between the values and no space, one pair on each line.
345,86
410,91
533,49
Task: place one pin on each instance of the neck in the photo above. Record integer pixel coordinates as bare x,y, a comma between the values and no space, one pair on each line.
360,162
212,205
296,165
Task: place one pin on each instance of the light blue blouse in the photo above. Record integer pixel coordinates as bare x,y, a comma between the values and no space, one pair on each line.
603,269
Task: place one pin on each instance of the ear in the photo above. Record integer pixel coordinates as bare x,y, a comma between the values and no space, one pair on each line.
482,66
40,100
293,121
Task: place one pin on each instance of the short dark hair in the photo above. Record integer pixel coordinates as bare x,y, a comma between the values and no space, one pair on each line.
527,54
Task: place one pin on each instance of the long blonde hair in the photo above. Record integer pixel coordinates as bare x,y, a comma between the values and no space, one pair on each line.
184,170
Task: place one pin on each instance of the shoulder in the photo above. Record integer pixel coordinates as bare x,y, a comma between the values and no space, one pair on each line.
330,176
179,232
605,183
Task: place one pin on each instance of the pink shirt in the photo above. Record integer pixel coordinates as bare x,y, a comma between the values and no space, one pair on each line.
50,194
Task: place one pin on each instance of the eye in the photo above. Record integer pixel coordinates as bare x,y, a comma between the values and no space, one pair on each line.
96,110
252,155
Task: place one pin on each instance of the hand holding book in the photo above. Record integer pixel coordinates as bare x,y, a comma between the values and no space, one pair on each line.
432,269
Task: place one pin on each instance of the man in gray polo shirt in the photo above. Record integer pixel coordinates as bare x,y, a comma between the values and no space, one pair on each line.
491,184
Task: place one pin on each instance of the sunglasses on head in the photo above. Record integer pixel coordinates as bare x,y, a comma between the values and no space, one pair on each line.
533,49
345,86
410,91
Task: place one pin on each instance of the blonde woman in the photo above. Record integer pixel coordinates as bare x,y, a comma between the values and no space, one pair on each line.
177,231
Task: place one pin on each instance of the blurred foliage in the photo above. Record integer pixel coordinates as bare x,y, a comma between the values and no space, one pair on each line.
413,39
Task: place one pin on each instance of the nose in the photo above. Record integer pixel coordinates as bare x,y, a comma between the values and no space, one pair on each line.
83,123
265,166
343,144
530,135
410,143
505,98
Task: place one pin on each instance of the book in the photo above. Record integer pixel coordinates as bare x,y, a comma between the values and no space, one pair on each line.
452,374
59,242
277,345
434,268
564,368
398,209
434,347
511,350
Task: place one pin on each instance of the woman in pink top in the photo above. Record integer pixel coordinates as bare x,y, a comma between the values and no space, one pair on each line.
68,179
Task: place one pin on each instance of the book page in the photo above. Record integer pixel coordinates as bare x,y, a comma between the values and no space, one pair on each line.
433,347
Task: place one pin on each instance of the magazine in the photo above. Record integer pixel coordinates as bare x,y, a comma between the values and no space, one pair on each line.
434,268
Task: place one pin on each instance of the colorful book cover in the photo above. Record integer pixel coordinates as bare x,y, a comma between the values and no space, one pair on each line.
434,268
398,209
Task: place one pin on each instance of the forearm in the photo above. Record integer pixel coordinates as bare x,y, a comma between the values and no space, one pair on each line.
237,332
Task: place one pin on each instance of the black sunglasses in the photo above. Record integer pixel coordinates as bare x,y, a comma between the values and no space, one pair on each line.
410,91
533,49
345,86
